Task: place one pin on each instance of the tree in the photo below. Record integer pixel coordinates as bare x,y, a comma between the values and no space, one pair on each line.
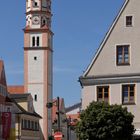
101,121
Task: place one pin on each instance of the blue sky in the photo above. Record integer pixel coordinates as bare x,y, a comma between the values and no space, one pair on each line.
78,25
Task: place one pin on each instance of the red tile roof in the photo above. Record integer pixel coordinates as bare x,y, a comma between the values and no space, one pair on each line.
16,89
74,118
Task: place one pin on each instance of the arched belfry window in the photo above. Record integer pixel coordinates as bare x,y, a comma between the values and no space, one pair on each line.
35,3
35,41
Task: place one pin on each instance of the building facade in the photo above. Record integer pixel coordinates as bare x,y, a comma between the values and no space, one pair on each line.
59,119
113,76
26,121
18,121
73,115
38,59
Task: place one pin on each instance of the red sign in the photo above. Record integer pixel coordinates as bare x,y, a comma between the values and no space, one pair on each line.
58,135
6,124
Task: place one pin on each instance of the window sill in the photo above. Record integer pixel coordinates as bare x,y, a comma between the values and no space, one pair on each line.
129,26
123,64
128,103
35,6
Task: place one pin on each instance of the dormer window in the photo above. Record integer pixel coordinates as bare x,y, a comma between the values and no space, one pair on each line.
129,20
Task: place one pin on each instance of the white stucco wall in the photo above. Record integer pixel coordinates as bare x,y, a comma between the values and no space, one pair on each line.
35,80
37,89
35,67
89,94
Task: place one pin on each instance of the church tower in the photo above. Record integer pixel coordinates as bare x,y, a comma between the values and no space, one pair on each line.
38,59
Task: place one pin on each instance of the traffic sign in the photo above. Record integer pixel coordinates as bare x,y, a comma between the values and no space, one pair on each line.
58,135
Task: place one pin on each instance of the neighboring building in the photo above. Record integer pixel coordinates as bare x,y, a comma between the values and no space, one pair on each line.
3,84
73,115
38,51
5,102
73,112
59,120
74,109
17,111
26,120
113,76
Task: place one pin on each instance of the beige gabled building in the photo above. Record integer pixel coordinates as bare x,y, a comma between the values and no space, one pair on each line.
113,75
26,119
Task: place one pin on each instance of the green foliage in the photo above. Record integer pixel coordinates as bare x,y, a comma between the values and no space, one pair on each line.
101,121
50,138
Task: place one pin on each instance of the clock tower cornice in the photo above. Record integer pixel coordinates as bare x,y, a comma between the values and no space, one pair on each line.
39,12
39,30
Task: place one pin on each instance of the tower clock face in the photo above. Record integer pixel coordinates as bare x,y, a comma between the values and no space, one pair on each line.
35,20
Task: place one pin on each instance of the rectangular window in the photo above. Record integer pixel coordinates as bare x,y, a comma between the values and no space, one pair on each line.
129,21
32,125
25,124
128,94
37,41
35,126
28,124
33,41
103,94
36,4
35,58
35,97
123,55
22,124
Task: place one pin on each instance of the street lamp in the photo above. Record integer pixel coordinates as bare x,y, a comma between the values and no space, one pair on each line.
50,105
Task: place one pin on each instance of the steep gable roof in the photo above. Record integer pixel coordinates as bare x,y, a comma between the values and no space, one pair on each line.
23,111
2,74
106,38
